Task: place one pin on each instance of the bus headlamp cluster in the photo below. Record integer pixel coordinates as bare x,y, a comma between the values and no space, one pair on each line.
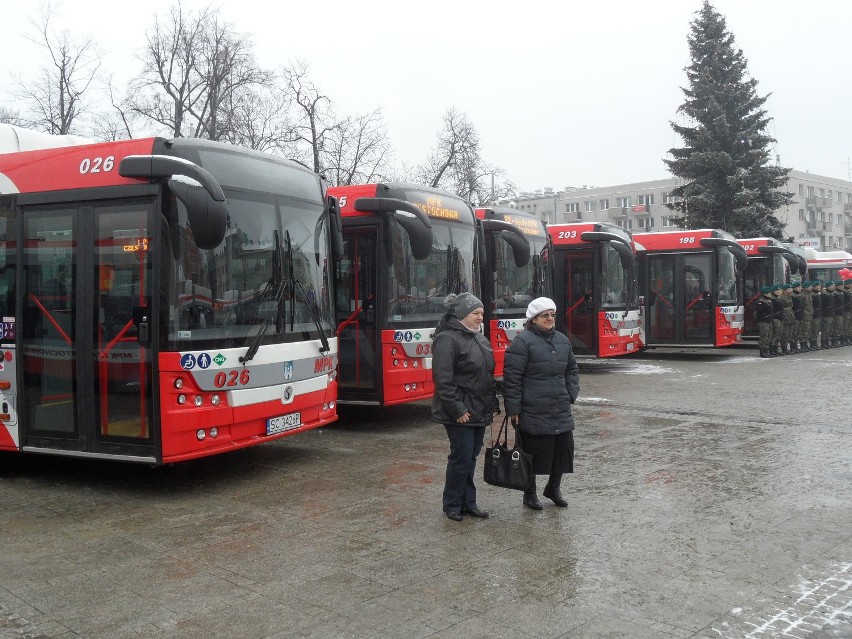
197,400
201,434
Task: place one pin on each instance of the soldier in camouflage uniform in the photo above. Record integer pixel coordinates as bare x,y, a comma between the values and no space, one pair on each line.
839,314
847,292
827,314
816,300
788,320
807,317
798,316
763,316
777,314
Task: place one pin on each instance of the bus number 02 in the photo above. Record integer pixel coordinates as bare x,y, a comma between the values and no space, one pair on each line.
231,378
97,165
566,235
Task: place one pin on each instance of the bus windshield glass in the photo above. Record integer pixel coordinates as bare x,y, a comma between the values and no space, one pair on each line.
617,289
727,277
516,286
417,288
267,276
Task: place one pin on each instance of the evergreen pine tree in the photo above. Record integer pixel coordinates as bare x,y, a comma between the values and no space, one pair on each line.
728,181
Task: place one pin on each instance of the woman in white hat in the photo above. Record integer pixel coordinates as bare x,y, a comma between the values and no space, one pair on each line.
540,383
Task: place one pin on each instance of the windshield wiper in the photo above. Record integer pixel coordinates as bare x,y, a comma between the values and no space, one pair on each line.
279,292
312,305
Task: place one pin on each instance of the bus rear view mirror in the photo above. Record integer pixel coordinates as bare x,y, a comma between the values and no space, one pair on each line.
207,217
410,217
204,199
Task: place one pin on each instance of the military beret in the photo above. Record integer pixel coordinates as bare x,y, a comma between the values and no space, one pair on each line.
830,283
798,284
807,284
817,283
776,287
765,289
787,285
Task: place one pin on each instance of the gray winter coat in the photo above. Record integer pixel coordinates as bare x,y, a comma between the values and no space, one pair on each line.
541,381
463,372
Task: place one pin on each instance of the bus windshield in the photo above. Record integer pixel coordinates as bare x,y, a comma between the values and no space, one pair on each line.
617,289
267,275
727,276
516,286
417,288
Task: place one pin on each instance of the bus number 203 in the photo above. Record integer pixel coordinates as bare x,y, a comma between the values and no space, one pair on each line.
232,378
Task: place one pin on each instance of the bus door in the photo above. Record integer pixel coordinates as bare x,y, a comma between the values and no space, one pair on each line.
575,287
356,310
85,335
680,303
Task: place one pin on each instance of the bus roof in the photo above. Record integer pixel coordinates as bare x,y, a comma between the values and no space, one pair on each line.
572,232
14,139
679,240
435,203
69,167
527,223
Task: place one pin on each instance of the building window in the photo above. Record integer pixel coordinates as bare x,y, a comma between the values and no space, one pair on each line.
839,220
604,204
810,191
810,216
849,198
667,220
801,189
646,199
590,206
802,214
839,196
821,216
645,223
622,202
572,207
822,192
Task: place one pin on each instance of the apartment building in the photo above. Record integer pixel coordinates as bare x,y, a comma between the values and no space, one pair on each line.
820,215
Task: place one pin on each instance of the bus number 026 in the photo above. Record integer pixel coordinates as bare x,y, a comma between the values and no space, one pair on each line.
231,378
97,165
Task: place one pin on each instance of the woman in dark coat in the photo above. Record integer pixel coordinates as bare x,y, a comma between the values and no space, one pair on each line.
465,398
540,382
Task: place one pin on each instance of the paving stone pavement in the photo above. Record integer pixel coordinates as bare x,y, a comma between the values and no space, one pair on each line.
711,500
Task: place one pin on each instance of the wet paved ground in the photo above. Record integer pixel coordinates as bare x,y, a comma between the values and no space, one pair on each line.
711,499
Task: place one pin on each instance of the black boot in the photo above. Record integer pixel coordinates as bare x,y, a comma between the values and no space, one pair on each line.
530,499
764,353
552,492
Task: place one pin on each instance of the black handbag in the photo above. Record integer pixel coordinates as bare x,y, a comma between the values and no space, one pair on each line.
507,467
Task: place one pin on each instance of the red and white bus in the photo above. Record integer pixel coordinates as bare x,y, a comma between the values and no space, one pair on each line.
514,272
769,262
163,300
594,281
690,287
826,265
406,247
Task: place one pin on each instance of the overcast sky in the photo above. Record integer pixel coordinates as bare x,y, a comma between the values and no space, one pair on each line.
565,93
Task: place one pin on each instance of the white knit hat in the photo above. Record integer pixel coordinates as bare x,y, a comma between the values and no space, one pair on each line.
540,305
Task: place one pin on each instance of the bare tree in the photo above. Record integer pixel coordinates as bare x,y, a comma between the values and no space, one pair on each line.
57,98
357,150
456,163
314,119
195,67
260,119
10,116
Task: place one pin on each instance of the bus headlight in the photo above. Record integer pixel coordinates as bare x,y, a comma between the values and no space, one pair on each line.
181,399
214,432
178,383
200,434
215,401
198,401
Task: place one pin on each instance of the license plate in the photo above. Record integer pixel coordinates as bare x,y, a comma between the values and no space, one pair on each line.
283,423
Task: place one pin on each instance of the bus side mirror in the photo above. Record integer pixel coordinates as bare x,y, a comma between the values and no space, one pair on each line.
207,217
